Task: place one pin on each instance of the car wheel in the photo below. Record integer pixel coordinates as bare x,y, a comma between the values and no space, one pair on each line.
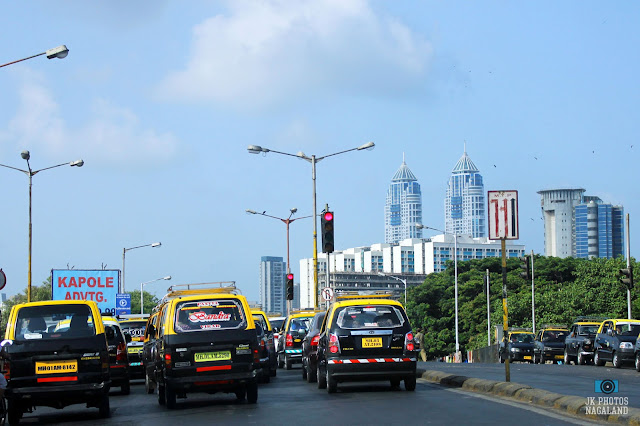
638,362
581,360
312,375
322,379
410,383
104,409
273,372
287,363
304,371
332,383
597,361
501,359
280,361
125,389
148,386
161,391
252,392
567,358
266,375
170,398
617,362
14,413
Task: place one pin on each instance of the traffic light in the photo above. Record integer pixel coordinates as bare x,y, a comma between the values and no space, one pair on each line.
326,223
289,286
526,265
627,277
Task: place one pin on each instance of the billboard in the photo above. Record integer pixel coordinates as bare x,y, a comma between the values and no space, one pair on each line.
100,285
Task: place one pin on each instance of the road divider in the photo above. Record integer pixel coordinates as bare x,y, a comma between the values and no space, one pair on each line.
574,405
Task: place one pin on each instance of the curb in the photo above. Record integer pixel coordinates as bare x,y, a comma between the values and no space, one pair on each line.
573,405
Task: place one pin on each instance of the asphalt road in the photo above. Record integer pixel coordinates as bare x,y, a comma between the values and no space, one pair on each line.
577,380
290,400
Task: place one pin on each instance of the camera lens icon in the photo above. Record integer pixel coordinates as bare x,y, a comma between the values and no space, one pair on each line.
608,386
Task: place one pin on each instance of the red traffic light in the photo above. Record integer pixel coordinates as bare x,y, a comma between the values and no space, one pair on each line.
289,276
328,216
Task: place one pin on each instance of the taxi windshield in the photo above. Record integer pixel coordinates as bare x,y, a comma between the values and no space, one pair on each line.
628,328
380,316
554,336
199,315
521,338
133,328
47,322
588,329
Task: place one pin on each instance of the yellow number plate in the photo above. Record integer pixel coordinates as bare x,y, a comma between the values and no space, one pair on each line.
55,367
559,356
212,356
372,342
527,357
134,349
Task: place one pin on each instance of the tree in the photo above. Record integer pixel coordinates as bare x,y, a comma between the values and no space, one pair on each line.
150,301
38,293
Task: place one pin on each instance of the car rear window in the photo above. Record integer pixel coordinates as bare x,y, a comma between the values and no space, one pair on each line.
300,323
379,316
202,315
259,319
54,322
133,328
276,323
588,329
554,336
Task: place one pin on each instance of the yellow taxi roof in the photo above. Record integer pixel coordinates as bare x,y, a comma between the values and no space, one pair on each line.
366,301
588,322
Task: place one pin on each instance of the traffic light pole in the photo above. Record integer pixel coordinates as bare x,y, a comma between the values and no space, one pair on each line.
315,234
533,297
629,268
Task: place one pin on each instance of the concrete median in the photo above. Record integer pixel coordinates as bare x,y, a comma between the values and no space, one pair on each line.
573,405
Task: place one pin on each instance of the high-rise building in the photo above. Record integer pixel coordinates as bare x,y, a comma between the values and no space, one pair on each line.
403,209
599,229
464,205
272,284
558,210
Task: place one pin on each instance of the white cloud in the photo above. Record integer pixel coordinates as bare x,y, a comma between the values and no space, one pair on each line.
265,51
111,135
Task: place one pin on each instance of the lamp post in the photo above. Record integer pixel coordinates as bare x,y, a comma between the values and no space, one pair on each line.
124,252
29,172
455,267
168,277
59,52
403,281
256,149
286,221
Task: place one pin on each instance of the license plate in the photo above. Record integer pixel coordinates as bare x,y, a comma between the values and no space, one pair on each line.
527,357
559,356
372,342
212,356
55,367
134,350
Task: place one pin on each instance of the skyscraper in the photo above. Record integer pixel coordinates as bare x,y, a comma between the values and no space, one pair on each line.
272,284
558,210
464,205
599,229
403,209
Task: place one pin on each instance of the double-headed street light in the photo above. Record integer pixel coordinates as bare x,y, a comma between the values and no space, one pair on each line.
59,52
29,172
455,267
168,277
255,149
403,281
124,252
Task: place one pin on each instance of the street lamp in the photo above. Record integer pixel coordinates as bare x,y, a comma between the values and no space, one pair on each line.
403,281
286,221
455,267
59,52
256,149
168,277
26,156
125,250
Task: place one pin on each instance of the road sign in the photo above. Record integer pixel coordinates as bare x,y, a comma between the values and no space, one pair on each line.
123,304
327,293
503,215
3,279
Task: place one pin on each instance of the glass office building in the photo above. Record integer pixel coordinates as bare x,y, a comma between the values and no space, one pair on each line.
599,230
272,284
464,205
403,209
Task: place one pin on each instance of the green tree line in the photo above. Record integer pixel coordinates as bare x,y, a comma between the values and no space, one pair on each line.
564,289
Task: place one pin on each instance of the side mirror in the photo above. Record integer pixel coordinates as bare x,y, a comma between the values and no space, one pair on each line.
6,342
127,337
609,332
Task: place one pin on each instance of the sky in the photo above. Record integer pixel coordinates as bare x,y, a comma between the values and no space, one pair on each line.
161,99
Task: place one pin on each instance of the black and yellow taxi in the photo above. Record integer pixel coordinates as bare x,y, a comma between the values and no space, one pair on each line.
615,342
148,350
56,355
579,343
268,361
549,344
517,346
134,326
295,328
118,357
366,338
206,342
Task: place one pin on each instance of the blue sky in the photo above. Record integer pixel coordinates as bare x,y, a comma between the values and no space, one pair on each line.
162,98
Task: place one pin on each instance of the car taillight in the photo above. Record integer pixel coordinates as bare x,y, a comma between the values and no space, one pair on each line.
334,344
315,340
167,360
408,342
262,344
256,356
7,369
289,340
121,352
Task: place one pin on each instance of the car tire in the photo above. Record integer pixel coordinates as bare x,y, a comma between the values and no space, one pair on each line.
617,362
170,398
280,361
597,361
312,375
125,389
266,376
148,386
288,364
161,392
273,372
14,413
304,371
581,360
322,380
567,358
638,362
410,383
104,409
332,383
252,392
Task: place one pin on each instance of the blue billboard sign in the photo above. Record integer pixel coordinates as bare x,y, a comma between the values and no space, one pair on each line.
101,286
123,304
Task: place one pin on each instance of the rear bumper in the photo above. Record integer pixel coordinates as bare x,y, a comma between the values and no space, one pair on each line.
294,355
119,374
371,368
210,382
59,396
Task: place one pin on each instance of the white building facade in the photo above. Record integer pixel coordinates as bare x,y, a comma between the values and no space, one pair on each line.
558,211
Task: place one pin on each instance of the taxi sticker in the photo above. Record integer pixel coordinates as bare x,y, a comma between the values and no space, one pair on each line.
32,336
204,317
87,358
208,303
209,326
243,349
54,367
370,324
369,309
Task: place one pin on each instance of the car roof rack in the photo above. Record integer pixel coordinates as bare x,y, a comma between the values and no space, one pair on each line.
558,326
132,317
520,329
590,318
218,287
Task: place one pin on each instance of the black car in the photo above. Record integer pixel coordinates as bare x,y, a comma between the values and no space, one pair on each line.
579,343
518,346
289,347
310,349
134,328
615,342
268,360
118,356
549,345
